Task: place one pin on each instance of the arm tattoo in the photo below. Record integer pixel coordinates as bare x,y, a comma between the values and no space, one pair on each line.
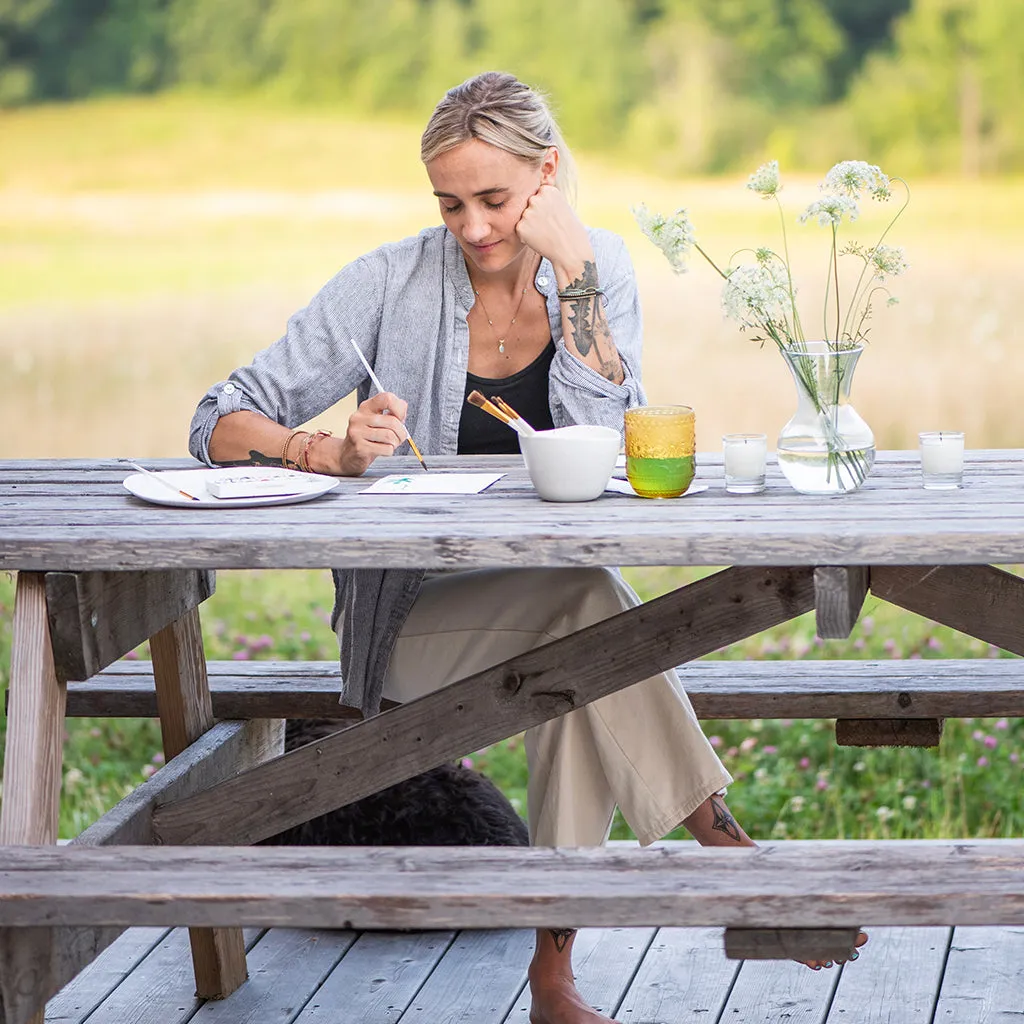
256,459
723,820
590,326
561,936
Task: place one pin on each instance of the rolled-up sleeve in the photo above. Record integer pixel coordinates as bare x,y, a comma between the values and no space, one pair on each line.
307,370
579,394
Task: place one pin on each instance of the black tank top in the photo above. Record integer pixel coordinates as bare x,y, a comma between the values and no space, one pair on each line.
527,393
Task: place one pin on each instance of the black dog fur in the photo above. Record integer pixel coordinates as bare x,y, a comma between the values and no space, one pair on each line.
447,806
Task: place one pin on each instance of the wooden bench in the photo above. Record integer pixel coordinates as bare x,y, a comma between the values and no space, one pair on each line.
750,891
876,703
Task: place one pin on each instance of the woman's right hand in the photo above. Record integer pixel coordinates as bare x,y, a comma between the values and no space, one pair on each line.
376,428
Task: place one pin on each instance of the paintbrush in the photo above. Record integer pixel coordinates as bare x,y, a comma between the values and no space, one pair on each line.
475,398
160,479
380,387
512,414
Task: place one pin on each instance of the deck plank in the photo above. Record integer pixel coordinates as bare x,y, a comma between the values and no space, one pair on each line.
161,988
984,979
478,980
780,992
377,978
896,979
74,1003
684,978
286,968
604,960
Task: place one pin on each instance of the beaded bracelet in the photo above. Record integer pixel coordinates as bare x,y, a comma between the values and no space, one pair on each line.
303,461
579,293
287,444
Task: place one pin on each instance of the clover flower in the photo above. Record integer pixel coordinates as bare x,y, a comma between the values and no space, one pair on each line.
765,180
887,260
852,177
830,210
755,294
673,235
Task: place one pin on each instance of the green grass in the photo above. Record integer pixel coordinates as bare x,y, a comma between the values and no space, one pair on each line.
791,779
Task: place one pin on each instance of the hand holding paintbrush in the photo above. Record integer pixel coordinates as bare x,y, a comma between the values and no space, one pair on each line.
380,387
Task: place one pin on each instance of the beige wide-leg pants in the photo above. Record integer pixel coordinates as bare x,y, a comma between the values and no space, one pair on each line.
641,748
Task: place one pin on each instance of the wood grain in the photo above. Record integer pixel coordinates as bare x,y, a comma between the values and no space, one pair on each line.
76,516
33,760
98,617
847,688
790,943
783,885
979,600
888,732
186,712
839,592
489,706
54,956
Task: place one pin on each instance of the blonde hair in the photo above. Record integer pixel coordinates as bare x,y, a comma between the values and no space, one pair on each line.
497,108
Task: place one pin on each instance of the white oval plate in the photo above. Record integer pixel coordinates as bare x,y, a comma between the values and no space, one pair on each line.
194,481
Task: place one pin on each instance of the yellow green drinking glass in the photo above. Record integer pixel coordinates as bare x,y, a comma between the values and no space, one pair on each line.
659,450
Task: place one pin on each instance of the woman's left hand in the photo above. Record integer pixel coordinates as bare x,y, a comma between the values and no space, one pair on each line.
550,227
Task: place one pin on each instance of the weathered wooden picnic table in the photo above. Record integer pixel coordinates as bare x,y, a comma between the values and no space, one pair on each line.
100,572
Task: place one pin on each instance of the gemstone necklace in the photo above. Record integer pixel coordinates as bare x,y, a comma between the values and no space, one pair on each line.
501,340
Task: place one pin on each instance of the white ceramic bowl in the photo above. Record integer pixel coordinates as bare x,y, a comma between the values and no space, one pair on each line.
570,463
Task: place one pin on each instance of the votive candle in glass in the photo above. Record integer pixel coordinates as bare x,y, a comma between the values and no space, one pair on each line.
942,458
745,456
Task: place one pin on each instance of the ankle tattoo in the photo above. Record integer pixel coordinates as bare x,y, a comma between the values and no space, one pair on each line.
723,820
561,937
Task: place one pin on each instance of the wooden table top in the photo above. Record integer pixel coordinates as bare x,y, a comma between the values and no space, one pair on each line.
75,515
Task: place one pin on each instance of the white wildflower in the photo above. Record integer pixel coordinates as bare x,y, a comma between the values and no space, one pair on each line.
765,180
909,803
753,295
885,814
796,804
887,261
672,235
852,177
73,777
830,210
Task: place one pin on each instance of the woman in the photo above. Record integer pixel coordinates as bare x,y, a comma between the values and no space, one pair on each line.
515,296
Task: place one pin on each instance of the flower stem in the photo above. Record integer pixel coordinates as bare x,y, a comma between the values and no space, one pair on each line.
835,267
721,273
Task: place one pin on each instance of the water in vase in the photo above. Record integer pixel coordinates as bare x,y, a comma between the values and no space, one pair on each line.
812,469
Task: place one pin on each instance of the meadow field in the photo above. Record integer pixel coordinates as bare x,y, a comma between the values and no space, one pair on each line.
148,246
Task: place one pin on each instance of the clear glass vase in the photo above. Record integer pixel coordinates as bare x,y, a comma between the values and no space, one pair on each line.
826,448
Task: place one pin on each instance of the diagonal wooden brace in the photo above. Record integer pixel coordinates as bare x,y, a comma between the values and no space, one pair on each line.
489,706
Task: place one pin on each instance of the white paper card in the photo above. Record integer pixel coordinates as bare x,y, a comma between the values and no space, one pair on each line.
433,483
620,486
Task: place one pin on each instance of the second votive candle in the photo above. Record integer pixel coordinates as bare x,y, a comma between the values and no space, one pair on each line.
745,456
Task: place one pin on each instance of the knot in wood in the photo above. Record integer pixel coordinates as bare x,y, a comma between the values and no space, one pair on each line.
904,700
512,683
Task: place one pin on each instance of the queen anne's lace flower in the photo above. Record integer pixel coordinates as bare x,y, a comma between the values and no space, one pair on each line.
672,235
852,177
765,180
831,209
887,261
754,294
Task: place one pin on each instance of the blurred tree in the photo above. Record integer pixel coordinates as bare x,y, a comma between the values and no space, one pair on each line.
867,25
725,71
951,95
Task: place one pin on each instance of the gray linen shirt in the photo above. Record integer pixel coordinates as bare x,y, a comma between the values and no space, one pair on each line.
406,304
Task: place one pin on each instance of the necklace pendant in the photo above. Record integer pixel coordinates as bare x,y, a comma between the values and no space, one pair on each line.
501,344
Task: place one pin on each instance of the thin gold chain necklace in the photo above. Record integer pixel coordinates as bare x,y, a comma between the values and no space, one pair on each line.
501,340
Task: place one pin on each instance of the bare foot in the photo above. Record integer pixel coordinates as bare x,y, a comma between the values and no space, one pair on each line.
556,1001
817,965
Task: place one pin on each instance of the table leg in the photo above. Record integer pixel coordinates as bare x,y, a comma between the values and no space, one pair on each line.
186,712
33,759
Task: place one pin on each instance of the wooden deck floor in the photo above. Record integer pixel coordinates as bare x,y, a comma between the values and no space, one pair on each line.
641,976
